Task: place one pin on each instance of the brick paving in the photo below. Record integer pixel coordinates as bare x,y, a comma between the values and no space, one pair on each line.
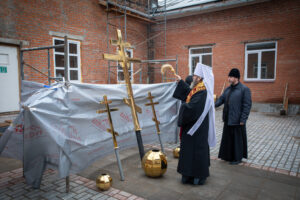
271,142
13,186
271,147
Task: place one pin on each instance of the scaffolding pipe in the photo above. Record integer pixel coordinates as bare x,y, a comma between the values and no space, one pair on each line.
66,59
125,21
129,9
158,61
49,71
43,48
22,65
107,40
187,11
165,8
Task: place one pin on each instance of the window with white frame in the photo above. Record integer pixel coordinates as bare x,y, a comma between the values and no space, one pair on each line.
120,72
199,54
260,61
73,59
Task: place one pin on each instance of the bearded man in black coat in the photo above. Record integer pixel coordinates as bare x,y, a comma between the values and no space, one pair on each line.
196,117
237,105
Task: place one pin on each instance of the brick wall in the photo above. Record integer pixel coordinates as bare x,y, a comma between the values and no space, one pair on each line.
32,21
228,30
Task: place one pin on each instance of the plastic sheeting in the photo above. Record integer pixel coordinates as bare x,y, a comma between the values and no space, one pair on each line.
63,131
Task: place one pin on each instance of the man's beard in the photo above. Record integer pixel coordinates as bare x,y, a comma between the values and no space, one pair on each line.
193,84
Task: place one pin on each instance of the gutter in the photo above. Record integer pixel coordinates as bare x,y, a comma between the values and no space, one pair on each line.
188,11
126,8
205,8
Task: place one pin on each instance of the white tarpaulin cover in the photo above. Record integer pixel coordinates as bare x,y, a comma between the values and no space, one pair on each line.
63,131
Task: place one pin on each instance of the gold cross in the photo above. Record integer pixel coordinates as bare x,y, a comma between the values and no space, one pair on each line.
108,110
125,63
150,97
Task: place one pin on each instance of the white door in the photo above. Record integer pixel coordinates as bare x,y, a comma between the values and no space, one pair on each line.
9,79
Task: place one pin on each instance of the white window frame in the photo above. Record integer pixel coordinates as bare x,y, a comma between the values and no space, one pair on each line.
121,70
70,54
259,53
198,55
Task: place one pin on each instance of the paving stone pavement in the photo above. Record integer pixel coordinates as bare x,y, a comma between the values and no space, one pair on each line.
271,147
13,186
271,142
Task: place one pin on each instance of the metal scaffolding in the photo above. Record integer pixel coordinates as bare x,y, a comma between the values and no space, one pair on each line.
121,10
50,78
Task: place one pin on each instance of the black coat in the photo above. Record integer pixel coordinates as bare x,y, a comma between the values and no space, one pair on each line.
194,150
239,104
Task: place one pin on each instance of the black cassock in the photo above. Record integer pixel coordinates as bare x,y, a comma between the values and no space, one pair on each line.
194,158
237,105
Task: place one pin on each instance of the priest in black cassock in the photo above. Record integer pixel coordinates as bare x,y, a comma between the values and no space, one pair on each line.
237,105
197,119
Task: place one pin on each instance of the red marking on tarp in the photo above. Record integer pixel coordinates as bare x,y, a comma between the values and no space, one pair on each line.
71,132
33,132
125,117
19,129
99,124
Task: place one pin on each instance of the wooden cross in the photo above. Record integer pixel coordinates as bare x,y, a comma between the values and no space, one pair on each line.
150,97
108,110
125,63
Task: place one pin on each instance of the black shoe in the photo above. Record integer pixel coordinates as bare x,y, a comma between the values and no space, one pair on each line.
235,162
185,179
198,181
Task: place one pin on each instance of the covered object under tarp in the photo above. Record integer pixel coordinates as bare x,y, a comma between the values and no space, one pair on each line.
58,126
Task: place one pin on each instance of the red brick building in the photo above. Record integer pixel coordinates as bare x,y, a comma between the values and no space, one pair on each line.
260,37
268,30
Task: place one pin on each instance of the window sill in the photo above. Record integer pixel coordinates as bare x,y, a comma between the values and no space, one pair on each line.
259,80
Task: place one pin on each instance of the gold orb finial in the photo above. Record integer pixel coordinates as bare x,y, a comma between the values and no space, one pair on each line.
176,152
154,163
104,182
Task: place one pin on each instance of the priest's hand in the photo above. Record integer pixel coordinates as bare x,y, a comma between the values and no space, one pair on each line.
242,124
178,78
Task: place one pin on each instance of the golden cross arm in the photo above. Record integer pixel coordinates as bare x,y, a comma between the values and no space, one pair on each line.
137,108
112,57
105,101
119,58
155,120
149,104
105,110
134,60
113,133
116,43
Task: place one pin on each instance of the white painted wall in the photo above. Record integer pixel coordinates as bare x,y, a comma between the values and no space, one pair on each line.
9,79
